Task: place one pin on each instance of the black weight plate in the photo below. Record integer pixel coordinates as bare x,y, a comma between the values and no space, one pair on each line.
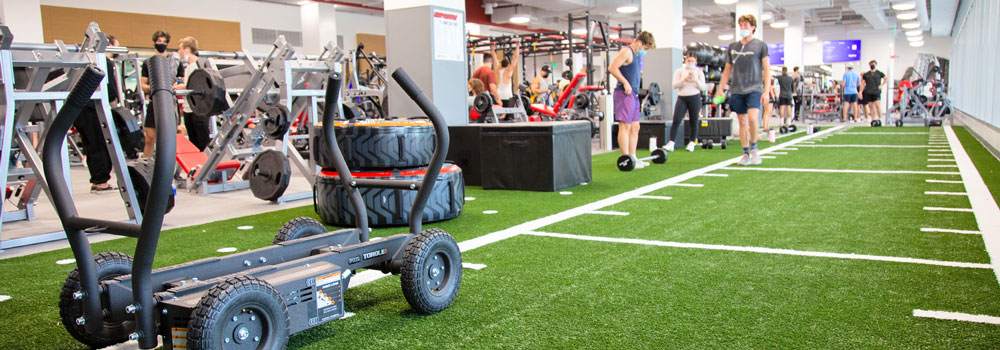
792,128
581,101
482,103
899,122
378,144
723,145
654,94
209,93
660,156
269,175
389,207
141,174
625,163
275,121
783,130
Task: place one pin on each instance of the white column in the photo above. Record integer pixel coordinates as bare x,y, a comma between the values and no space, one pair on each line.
319,26
662,18
793,39
749,7
24,17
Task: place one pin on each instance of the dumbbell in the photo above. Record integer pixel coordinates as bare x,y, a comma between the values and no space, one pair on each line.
788,129
876,123
709,144
899,122
625,163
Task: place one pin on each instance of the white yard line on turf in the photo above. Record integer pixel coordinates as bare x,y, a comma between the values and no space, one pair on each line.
939,155
473,266
948,230
870,146
984,207
843,171
768,157
605,212
944,181
956,316
781,153
940,160
716,175
791,149
688,185
884,133
665,198
947,193
965,210
942,166
372,275
762,250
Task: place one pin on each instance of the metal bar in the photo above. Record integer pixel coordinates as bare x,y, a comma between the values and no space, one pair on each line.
91,225
393,184
54,47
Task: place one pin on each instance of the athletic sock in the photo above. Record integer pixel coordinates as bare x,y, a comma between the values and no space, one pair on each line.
753,146
746,150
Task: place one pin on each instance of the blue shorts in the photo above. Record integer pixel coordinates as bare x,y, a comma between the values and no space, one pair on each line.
740,103
850,98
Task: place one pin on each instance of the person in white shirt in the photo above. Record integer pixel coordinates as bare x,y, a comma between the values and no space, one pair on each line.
689,81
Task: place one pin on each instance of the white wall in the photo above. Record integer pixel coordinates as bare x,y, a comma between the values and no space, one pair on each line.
350,24
24,20
974,76
255,14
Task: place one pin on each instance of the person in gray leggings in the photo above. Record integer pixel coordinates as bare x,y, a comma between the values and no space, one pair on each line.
689,82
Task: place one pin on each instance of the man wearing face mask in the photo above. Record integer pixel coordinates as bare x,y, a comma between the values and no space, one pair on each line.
540,86
871,88
160,40
750,68
626,69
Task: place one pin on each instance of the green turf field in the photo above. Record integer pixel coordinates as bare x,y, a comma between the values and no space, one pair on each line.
755,259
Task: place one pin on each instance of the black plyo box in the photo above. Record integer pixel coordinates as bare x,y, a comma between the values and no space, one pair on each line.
545,156
464,151
716,129
652,128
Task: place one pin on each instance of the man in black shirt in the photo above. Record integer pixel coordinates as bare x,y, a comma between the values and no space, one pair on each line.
787,84
88,125
872,83
160,40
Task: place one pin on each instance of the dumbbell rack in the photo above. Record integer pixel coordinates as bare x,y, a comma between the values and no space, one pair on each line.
18,106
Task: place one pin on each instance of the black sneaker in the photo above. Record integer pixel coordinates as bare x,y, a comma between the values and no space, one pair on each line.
96,189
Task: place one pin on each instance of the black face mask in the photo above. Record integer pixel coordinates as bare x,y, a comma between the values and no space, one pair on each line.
545,75
873,66
161,48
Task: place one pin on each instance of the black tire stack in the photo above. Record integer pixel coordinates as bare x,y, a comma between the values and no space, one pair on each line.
384,149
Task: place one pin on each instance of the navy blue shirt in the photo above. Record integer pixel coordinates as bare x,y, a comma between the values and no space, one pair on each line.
631,73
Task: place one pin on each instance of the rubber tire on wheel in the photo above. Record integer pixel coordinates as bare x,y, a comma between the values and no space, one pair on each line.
109,266
237,297
366,147
424,286
299,227
390,207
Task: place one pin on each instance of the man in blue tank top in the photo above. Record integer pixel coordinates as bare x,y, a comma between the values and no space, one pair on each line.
626,68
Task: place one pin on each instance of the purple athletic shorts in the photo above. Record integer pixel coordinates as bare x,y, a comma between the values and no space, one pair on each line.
626,107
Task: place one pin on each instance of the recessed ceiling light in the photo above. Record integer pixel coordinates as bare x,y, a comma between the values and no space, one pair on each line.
520,19
906,15
904,6
725,2
579,31
779,24
911,25
915,38
766,16
701,29
726,37
627,9
914,32
810,38
916,43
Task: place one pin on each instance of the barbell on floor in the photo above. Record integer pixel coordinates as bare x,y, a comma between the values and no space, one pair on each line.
627,163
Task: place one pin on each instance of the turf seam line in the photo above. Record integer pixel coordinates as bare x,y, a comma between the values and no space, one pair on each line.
372,275
608,212
947,193
944,181
964,210
984,207
762,250
804,170
654,197
956,316
948,230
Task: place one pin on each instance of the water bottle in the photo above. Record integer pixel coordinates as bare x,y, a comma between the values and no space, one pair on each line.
652,143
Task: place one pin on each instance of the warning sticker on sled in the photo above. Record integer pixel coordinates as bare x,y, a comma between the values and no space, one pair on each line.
329,297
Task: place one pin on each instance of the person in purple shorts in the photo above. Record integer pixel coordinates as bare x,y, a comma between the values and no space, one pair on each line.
626,68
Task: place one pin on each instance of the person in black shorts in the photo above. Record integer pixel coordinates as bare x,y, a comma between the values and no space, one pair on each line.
160,41
872,83
787,85
95,146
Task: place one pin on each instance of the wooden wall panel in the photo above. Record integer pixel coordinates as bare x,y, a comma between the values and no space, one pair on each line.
373,43
136,29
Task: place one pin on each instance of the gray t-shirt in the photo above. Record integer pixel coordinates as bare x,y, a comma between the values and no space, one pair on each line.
747,74
787,84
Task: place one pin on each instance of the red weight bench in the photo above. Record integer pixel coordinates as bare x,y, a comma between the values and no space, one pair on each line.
190,161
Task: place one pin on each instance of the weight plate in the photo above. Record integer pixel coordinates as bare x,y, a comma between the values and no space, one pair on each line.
625,163
482,103
792,128
723,145
899,122
269,175
275,121
661,156
141,174
581,101
208,95
654,94
783,130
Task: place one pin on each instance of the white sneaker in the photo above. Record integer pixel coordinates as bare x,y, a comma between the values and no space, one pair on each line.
644,164
690,147
670,146
745,160
755,158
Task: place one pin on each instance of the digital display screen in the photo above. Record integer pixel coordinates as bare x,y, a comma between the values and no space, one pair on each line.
841,51
777,53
